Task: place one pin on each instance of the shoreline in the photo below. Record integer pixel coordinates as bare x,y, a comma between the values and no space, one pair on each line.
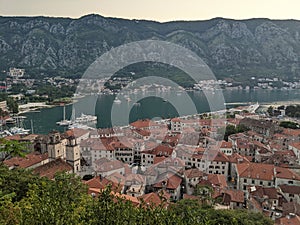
279,103
33,107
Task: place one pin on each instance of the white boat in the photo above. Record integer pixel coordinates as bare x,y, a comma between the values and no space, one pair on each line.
117,101
64,122
18,130
85,118
10,121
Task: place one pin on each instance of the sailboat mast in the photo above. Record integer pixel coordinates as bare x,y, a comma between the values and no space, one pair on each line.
31,123
64,113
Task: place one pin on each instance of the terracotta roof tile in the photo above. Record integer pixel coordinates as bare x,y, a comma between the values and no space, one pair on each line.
102,167
290,220
261,192
226,144
155,199
142,124
235,195
29,160
51,168
264,171
134,200
194,172
217,180
290,189
94,183
291,132
172,181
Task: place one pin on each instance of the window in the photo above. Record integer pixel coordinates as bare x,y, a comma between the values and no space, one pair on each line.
260,182
245,180
253,181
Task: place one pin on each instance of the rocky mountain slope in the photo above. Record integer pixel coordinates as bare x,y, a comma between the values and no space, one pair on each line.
232,48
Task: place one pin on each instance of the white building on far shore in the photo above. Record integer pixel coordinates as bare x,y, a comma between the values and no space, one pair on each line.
16,72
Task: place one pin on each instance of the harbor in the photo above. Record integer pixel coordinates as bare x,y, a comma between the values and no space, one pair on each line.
150,107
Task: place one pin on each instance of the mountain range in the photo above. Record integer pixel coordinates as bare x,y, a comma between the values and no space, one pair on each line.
237,49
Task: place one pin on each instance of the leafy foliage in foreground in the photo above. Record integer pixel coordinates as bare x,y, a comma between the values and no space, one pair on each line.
64,201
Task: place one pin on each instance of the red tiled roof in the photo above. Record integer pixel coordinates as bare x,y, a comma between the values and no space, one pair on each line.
16,137
221,157
291,132
29,160
241,143
141,132
295,145
265,171
76,132
94,183
290,220
51,168
290,207
142,124
158,159
260,192
290,189
161,150
133,200
237,158
116,181
286,173
205,122
191,197
171,181
256,171
135,179
176,120
96,144
194,172
226,144
108,166
217,180
155,199
235,195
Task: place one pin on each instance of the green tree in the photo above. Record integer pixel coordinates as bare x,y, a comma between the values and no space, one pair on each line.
204,192
270,110
9,213
289,124
12,148
54,202
12,105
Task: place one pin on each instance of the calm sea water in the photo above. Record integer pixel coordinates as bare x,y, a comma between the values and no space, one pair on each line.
148,106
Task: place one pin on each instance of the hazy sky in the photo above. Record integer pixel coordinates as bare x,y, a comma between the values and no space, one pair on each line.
160,10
